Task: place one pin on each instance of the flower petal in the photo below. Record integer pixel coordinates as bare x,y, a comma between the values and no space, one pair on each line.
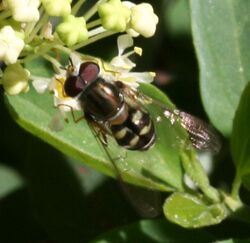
41,84
124,42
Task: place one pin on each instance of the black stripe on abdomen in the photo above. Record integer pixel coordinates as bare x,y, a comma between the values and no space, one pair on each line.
137,132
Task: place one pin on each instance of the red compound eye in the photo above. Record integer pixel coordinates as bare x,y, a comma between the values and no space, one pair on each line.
73,86
89,71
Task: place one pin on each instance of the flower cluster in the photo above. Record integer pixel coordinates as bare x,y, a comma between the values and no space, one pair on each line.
127,16
26,33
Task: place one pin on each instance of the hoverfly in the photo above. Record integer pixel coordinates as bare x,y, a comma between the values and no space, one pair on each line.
120,111
112,108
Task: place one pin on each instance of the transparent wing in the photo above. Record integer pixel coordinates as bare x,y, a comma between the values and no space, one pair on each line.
147,202
202,136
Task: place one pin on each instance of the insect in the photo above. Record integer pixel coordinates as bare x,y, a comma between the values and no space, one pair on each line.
120,111
113,108
108,107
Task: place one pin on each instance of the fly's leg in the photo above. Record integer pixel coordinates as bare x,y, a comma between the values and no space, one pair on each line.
75,119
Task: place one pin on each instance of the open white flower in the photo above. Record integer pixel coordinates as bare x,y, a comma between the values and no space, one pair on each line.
122,61
24,10
63,102
56,84
119,68
121,65
40,84
10,45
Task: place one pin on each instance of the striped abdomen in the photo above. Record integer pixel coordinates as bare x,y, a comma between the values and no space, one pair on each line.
136,132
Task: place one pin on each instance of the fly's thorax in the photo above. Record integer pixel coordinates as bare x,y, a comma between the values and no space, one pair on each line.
102,100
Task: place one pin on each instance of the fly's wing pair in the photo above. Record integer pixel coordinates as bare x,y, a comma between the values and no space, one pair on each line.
174,130
197,134
201,135
146,201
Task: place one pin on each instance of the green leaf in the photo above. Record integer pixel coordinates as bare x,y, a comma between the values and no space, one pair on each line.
10,180
158,168
240,142
234,241
191,211
221,37
177,17
197,174
149,231
40,67
226,241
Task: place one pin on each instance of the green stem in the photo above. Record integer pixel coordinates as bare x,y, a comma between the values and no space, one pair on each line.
63,49
236,187
5,14
92,10
94,23
28,29
93,39
53,61
30,26
29,57
38,53
77,6
196,172
39,25
233,204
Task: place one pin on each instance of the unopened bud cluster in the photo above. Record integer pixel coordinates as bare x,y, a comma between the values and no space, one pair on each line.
27,32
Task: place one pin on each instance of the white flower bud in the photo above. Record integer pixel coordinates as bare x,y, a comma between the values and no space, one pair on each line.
142,20
15,79
24,10
10,45
57,7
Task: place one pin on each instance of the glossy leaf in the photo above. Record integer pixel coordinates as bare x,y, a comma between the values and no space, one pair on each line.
191,211
158,168
241,137
221,38
150,231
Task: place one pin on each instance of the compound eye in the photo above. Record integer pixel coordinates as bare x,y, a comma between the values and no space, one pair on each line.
89,71
73,86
